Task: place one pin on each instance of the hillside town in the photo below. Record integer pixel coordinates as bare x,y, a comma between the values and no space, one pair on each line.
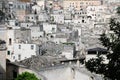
52,38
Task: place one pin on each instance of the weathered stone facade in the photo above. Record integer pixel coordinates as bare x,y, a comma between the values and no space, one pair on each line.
2,60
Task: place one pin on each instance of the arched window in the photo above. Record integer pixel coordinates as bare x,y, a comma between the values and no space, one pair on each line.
10,41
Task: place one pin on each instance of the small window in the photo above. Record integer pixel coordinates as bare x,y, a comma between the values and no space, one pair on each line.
22,6
13,57
18,6
53,29
19,46
19,57
52,36
83,21
36,17
8,52
10,41
40,36
41,28
32,47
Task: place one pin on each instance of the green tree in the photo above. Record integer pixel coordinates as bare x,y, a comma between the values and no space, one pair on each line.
96,65
26,76
112,42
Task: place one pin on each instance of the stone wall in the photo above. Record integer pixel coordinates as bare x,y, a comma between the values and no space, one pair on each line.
64,73
2,65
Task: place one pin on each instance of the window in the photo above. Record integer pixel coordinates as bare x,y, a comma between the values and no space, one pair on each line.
18,6
83,21
36,17
10,41
13,57
19,57
40,36
10,4
8,52
19,46
32,47
50,4
52,36
22,6
41,27
53,29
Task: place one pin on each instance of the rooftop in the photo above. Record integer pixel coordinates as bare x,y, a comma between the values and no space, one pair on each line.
37,62
25,0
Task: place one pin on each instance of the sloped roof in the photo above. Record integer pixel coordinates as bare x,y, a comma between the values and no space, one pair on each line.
25,0
37,62
97,49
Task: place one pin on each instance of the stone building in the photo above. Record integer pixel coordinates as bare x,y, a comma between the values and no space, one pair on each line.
16,36
3,5
21,9
80,4
57,18
23,51
11,70
68,50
